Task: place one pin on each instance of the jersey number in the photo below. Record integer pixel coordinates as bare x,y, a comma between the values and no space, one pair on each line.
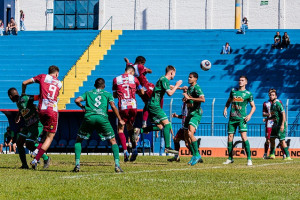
98,102
127,94
52,89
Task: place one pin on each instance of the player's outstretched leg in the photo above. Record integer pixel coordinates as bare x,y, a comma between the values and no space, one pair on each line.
22,155
115,150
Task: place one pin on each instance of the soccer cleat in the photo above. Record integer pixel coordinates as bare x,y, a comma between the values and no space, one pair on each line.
192,159
24,167
287,158
196,160
249,163
76,168
118,169
265,156
47,163
33,154
271,156
177,159
200,160
133,156
284,156
228,161
126,156
170,150
34,164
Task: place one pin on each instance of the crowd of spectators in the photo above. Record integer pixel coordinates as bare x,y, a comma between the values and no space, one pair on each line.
12,27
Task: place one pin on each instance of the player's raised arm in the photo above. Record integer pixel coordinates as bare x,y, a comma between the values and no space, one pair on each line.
25,83
115,110
227,106
148,70
170,92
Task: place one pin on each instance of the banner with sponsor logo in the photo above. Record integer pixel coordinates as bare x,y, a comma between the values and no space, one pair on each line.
217,147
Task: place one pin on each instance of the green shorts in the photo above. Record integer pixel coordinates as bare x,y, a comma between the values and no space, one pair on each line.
192,119
99,123
276,133
156,113
32,132
234,123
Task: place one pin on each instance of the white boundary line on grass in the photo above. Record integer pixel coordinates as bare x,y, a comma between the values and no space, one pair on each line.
173,169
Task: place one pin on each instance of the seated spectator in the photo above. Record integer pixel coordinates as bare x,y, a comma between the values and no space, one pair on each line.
244,26
12,27
277,41
1,27
285,41
226,49
8,140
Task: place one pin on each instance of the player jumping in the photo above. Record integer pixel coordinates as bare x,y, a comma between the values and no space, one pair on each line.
238,117
33,127
47,108
96,118
124,87
279,126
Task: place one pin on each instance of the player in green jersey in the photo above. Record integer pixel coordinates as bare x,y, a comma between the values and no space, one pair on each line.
96,118
193,98
33,127
238,117
157,115
279,126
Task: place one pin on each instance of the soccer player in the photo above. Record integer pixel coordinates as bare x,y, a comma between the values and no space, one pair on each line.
33,127
238,117
279,126
96,118
268,123
156,113
125,87
47,108
193,98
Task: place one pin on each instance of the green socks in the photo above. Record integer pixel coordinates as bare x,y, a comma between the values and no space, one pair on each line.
230,148
22,155
247,148
45,157
115,150
77,153
149,129
286,150
195,146
167,135
192,149
272,151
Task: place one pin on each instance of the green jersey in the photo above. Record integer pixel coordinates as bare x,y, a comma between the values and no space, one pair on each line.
195,92
276,111
162,85
97,101
239,103
28,110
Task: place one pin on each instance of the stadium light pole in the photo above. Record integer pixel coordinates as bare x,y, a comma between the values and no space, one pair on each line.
237,14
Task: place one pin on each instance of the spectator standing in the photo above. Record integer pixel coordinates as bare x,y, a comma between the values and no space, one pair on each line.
285,41
12,27
1,28
22,18
226,49
277,41
244,26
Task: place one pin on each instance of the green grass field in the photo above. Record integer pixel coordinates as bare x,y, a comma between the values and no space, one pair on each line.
150,178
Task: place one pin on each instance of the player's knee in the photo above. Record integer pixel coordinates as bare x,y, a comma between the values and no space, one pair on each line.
113,141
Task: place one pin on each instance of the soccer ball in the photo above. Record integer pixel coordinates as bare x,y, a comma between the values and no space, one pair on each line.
205,65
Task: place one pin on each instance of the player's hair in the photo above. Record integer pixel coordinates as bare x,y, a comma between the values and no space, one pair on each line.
245,77
99,83
129,67
10,90
272,90
140,59
52,69
194,74
170,68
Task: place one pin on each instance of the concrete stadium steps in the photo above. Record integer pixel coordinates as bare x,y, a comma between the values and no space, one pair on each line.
185,49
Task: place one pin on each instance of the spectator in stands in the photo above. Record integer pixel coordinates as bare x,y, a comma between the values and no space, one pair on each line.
277,41
12,27
22,17
226,49
244,26
8,140
1,28
285,41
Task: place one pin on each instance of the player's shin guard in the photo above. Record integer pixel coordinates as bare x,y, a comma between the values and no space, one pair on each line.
247,148
132,138
77,153
230,149
167,135
266,148
123,141
286,151
115,150
22,155
195,146
272,151
177,146
191,148
282,149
